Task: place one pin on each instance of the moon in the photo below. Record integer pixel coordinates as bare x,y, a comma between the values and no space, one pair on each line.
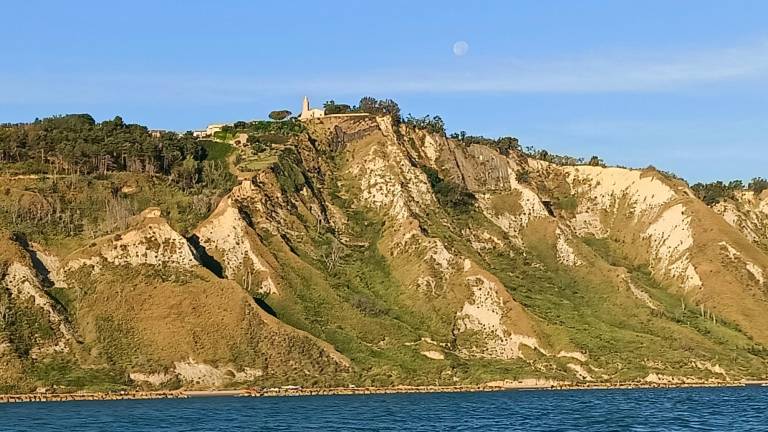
460,48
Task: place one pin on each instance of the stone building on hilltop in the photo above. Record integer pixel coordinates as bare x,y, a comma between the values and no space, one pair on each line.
310,113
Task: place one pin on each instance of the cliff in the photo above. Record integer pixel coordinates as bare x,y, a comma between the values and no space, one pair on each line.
371,253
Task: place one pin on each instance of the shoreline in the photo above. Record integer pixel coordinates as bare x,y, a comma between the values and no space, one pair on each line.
489,388
92,396
335,391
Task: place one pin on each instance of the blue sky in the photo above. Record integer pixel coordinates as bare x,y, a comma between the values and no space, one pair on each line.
678,84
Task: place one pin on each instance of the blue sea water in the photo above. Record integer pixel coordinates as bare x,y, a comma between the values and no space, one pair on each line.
706,409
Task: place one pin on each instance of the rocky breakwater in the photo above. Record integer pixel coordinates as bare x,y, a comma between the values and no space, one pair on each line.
62,397
299,391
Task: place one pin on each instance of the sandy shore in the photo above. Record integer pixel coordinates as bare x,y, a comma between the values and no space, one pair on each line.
298,391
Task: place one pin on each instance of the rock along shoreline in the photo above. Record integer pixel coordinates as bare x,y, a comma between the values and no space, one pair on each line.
64,397
330,391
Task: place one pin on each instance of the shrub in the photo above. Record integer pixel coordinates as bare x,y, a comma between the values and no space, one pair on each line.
451,195
552,157
523,176
288,172
568,203
504,145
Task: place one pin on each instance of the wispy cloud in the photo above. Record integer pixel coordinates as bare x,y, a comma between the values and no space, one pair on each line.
589,73
607,72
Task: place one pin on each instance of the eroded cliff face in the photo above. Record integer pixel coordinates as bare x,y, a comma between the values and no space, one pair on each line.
143,299
749,214
648,220
36,323
372,253
444,267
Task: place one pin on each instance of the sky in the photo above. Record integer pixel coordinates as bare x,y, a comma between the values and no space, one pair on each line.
681,85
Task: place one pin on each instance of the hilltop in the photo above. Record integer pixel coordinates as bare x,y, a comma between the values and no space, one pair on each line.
363,249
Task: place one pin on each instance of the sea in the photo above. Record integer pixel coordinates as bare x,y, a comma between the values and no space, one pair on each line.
683,409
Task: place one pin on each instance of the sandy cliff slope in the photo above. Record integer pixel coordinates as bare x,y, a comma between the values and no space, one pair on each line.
370,253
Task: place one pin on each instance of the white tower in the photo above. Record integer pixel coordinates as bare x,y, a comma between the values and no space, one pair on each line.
310,113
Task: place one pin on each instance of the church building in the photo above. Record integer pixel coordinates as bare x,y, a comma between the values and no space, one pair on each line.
310,113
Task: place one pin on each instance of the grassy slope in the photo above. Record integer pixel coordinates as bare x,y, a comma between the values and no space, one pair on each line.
360,306
588,310
591,310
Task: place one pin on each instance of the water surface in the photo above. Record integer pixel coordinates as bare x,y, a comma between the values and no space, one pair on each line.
706,409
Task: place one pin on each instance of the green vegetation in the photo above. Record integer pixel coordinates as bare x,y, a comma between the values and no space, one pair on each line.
758,185
507,145
431,124
380,288
116,339
224,136
377,107
556,159
567,203
359,305
713,193
76,144
215,150
523,176
596,161
25,325
279,115
454,196
288,127
504,145
60,209
259,163
266,141
94,176
67,375
367,104
609,324
331,107
289,172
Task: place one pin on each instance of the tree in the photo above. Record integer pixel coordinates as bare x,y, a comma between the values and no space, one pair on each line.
279,115
758,185
713,193
77,144
186,174
595,161
377,107
430,124
331,107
